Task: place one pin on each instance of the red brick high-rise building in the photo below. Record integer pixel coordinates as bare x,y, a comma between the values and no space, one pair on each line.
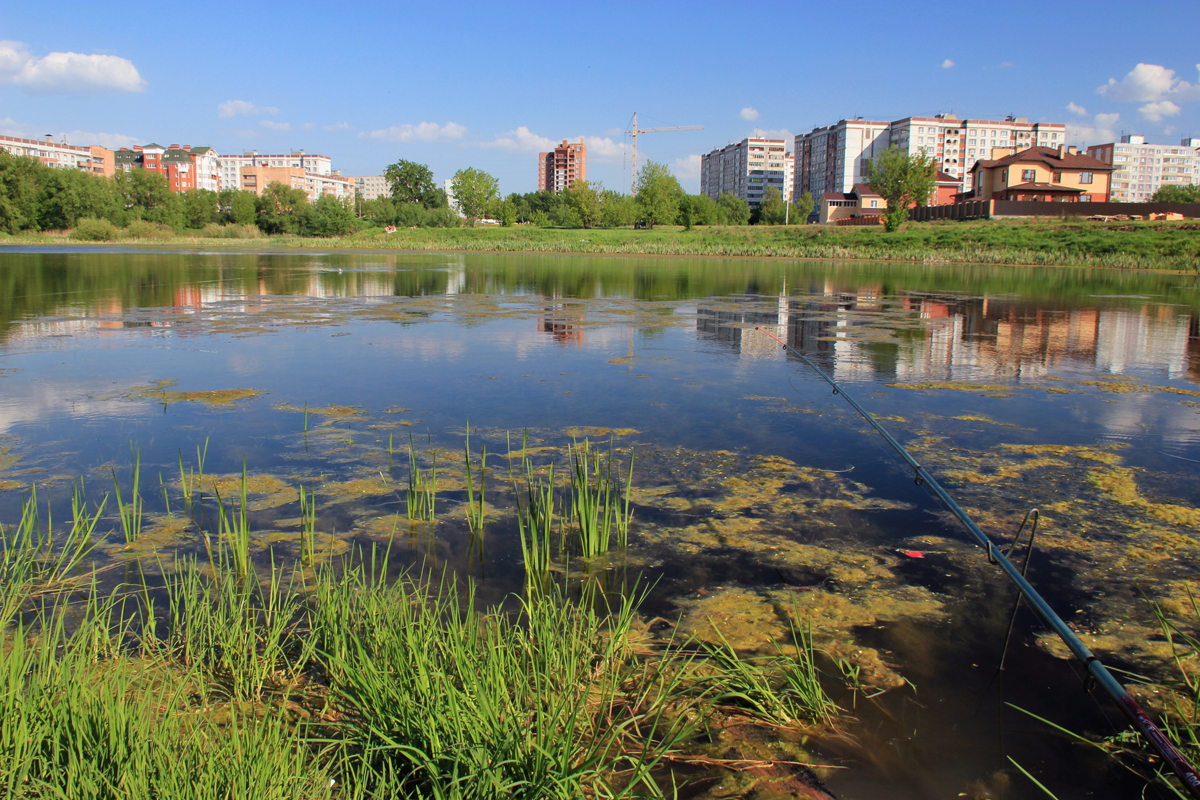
559,169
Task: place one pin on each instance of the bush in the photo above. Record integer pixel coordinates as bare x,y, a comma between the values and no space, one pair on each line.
90,229
141,229
215,230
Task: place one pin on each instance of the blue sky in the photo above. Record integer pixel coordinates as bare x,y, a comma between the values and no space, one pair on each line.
488,85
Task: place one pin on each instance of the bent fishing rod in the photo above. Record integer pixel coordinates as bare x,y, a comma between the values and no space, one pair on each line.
1183,769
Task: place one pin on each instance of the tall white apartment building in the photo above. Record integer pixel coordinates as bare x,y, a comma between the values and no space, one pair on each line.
231,166
1142,169
834,158
747,169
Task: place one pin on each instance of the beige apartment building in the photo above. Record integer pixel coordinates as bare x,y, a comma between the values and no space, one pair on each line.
836,157
1141,169
257,179
747,169
370,187
230,167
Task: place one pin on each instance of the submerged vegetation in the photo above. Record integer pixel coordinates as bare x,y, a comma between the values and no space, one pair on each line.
267,675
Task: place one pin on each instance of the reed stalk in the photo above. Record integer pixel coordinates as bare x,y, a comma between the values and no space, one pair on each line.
421,496
131,513
599,505
475,510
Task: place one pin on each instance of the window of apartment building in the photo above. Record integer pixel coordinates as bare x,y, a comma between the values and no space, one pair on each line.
1085,177
1057,177
1028,175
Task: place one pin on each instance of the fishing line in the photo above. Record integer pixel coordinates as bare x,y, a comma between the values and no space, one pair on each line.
1097,673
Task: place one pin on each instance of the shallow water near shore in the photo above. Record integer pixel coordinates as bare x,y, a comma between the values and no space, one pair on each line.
756,493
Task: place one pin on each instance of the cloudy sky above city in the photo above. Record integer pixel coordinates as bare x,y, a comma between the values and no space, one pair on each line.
489,85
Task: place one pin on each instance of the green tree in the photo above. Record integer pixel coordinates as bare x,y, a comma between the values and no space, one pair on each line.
330,217
147,195
68,195
802,208
772,210
658,194
199,208
282,209
236,206
902,180
1177,194
410,182
584,199
702,208
474,190
733,209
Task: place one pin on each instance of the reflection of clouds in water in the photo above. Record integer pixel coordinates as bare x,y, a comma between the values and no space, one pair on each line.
422,348
1134,339
1148,413
38,400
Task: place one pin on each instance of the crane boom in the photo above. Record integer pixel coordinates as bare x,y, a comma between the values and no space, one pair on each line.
635,130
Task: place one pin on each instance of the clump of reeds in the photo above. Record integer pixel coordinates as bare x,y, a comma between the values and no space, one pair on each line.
131,513
535,516
421,496
599,505
475,509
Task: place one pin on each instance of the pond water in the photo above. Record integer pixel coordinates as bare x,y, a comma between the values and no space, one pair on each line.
756,493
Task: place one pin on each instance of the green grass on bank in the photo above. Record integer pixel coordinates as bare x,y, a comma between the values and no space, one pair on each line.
1121,245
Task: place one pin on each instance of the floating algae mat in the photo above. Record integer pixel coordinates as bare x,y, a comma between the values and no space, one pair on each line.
196,414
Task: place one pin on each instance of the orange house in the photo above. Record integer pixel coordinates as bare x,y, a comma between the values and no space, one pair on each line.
1059,175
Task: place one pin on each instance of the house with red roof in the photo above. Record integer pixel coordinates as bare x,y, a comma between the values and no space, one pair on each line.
1058,175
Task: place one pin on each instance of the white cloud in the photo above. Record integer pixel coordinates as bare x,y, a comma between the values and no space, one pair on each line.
781,133
603,149
66,73
687,167
308,126
947,64
1156,112
272,125
749,113
1076,109
521,139
1100,131
113,141
340,126
1147,83
421,132
232,108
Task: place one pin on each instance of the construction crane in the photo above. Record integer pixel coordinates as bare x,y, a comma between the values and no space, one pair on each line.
635,130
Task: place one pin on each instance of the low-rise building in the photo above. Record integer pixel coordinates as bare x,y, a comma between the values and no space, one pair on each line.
747,169
257,178
94,159
1061,174
1141,169
861,202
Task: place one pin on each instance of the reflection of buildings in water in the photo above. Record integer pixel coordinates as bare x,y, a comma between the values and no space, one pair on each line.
563,322
957,337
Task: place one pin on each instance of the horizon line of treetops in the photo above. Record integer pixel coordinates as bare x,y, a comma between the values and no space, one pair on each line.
140,204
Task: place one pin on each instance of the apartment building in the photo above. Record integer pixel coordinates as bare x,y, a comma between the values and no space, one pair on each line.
560,168
185,167
747,169
95,160
956,145
1141,169
231,166
370,187
836,157
1062,175
315,186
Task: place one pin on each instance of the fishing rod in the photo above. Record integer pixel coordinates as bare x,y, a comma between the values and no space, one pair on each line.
1183,769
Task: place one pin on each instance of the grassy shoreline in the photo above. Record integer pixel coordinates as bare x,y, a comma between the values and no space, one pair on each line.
1118,245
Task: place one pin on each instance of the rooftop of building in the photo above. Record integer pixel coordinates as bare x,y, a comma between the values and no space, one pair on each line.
1055,158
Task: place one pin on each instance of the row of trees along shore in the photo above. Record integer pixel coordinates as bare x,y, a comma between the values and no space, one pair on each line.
140,204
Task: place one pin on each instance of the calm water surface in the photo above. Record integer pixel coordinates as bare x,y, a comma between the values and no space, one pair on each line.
757,491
